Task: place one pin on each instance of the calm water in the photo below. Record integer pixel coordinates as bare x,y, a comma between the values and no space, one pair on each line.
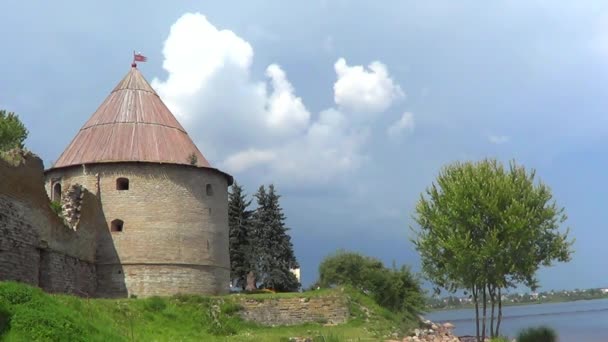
581,321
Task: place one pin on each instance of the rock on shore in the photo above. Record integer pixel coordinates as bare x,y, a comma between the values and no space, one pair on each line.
433,332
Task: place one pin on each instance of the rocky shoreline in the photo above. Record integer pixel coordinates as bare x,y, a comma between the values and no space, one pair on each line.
434,332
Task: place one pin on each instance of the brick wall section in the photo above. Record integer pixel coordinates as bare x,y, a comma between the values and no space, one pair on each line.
35,246
19,256
175,235
292,311
60,273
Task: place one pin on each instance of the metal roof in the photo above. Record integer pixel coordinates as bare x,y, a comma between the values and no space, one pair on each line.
132,124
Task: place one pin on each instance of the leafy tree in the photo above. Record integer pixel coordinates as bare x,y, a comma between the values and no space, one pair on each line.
484,228
239,222
273,250
396,289
12,131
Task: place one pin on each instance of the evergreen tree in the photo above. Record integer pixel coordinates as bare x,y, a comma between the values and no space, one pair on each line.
239,222
274,254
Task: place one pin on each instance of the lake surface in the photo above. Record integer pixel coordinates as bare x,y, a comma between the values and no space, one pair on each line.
580,321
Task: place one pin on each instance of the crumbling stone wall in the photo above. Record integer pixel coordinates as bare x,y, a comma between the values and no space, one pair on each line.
36,246
292,311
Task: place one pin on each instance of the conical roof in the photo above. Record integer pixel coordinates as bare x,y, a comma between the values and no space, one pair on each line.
132,124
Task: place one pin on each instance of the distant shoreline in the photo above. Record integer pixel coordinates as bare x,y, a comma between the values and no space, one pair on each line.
471,306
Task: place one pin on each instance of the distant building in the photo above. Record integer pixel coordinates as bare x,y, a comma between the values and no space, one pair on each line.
296,272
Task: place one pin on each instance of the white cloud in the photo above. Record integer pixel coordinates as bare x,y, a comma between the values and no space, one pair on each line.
403,125
250,158
369,90
242,124
499,139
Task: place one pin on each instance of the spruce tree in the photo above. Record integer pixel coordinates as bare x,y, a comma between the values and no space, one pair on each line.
239,222
274,250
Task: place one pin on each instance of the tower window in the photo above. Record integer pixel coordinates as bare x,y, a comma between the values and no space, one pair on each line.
122,184
57,192
209,190
116,225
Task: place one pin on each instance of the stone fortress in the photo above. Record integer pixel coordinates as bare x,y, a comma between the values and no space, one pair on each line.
143,212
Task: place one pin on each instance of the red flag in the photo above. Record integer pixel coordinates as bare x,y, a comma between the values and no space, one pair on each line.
138,57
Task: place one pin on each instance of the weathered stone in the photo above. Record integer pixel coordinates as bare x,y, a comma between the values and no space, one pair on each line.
291,311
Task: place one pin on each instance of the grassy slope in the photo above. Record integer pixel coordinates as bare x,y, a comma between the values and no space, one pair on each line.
34,315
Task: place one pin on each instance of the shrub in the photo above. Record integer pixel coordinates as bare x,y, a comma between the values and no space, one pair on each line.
155,304
395,289
537,334
15,293
5,317
56,207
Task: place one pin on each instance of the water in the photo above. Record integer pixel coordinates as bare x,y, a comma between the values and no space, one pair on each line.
580,321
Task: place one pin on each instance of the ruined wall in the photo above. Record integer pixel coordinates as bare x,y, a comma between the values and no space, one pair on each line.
174,237
292,311
36,247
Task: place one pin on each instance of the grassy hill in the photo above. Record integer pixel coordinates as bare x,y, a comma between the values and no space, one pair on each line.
29,314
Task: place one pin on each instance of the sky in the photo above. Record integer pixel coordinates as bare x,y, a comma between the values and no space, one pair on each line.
350,108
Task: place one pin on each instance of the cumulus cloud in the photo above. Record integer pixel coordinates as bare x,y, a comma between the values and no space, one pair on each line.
404,125
499,139
369,90
242,124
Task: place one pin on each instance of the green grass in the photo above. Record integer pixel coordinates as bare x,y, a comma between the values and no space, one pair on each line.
28,314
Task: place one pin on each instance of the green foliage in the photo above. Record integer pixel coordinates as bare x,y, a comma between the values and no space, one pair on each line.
272,250
155,304
14,293
484,228
5,317
499,339
56,208
395,289
44,317
46,324
537,334
192,159
239,223
12,131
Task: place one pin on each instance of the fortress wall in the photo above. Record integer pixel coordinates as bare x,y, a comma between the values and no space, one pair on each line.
175,235
36,247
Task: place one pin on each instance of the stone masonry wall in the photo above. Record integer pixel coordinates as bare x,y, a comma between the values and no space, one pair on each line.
36,247
292,311
19,254
174,237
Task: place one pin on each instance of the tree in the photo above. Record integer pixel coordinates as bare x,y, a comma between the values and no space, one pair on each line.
273,250
12,131
396,289
239,223
484,228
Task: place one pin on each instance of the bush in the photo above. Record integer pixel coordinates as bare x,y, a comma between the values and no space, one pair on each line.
15,293
56,208
395,289
537,334
155,304
5,317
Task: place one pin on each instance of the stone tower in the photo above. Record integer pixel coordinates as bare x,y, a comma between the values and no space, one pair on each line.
165,207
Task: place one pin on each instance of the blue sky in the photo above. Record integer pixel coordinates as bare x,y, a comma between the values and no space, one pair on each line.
349,107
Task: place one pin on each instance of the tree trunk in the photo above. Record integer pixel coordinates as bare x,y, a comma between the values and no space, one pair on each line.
475,299
483,323
492,292
499,312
